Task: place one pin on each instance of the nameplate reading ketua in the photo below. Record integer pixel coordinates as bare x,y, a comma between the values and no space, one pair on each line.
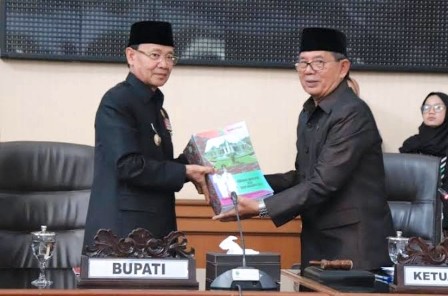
124,268
424,276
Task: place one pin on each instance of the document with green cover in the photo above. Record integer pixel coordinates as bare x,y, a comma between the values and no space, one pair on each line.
229,150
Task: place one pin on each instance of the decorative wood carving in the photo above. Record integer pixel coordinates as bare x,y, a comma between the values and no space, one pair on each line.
140,243
420,252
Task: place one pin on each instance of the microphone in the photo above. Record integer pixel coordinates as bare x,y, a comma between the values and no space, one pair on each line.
244,277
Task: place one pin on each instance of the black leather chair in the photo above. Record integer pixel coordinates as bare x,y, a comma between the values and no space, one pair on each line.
43,183
412,181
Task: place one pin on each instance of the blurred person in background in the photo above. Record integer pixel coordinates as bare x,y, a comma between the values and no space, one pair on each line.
432,139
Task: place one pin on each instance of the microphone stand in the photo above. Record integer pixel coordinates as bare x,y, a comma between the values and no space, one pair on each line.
243,278
234,197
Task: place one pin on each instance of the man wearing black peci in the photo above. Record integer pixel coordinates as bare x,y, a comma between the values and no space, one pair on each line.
338,185
135,173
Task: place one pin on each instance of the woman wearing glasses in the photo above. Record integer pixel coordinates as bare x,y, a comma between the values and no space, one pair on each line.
432,139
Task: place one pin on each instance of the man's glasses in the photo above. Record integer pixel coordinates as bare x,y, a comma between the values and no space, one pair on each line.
170,59
317,65
437,108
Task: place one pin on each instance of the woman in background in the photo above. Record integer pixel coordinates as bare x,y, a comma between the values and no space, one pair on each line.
432,139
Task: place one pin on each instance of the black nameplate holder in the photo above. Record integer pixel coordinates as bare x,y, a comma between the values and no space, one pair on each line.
138,261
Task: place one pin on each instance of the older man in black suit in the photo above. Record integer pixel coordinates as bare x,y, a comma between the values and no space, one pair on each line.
135,174
338,185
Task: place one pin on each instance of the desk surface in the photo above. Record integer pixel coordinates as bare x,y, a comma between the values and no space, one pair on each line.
378,289
18,282
147,293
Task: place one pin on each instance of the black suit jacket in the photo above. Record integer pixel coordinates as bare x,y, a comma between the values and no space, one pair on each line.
134,179
338,186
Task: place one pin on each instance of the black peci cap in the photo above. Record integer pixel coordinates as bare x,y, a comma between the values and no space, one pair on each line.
151,32
323,39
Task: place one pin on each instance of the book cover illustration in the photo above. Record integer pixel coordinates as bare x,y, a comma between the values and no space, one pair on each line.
230,152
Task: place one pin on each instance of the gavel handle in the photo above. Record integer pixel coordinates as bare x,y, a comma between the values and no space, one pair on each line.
333,264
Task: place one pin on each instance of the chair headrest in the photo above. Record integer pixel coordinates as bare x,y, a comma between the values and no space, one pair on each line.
45,166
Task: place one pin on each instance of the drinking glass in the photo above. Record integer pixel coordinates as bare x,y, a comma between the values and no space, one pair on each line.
42,244
397,246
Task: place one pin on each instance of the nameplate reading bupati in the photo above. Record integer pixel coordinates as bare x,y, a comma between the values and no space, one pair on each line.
126,268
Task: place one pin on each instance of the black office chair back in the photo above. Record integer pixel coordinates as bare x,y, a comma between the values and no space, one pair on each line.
43,183
412,181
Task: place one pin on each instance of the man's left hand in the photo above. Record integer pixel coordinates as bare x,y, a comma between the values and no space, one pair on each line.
247,208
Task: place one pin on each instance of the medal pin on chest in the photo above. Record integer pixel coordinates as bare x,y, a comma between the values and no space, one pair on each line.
157,138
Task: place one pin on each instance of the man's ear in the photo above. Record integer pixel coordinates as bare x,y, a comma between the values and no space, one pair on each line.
345,67
130,55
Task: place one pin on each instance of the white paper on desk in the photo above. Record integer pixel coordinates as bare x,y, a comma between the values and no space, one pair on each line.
232,247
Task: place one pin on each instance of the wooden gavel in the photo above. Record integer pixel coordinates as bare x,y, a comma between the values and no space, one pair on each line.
333,264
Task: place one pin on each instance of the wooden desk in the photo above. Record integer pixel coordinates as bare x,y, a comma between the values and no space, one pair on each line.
287,280
146,293
66,279
320,288
310,284
194,217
